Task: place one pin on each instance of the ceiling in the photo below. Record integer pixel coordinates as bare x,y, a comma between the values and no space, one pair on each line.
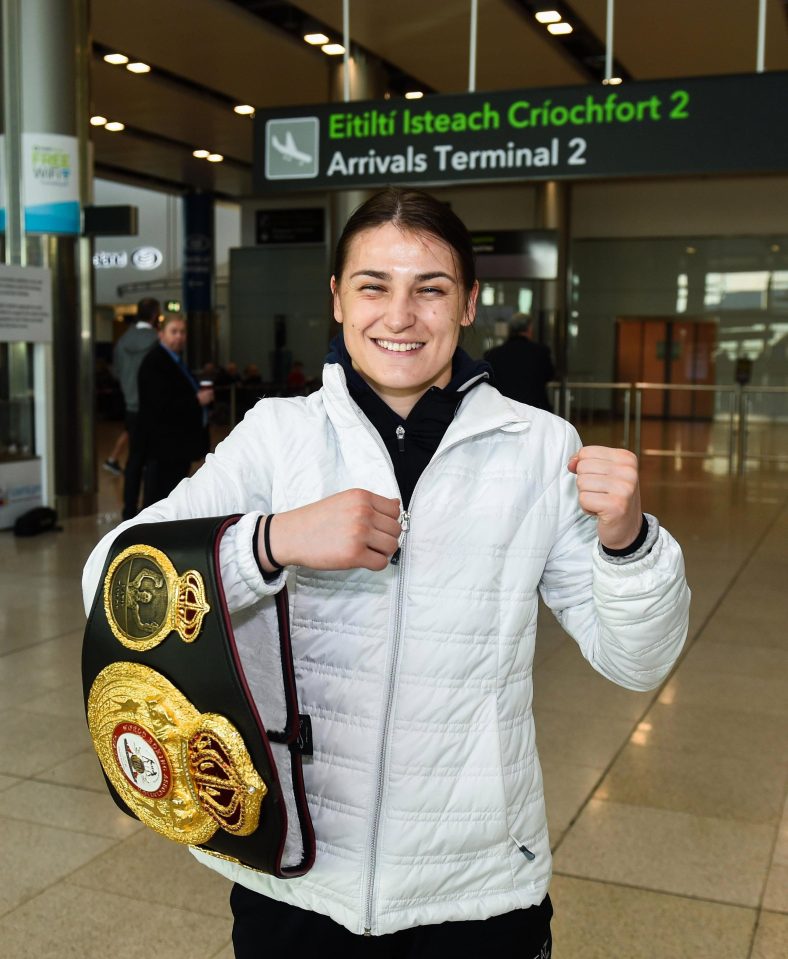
206,55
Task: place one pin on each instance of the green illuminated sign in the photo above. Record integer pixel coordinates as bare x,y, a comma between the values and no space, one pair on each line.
674,127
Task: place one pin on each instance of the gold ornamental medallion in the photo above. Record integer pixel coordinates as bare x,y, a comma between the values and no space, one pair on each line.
145,599
181,772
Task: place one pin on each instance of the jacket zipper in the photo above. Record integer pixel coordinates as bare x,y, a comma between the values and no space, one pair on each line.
404,519
373,843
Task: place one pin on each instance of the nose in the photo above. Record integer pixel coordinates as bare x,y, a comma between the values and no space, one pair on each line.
401,313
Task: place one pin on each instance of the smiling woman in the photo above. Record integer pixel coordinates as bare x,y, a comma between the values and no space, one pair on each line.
419,513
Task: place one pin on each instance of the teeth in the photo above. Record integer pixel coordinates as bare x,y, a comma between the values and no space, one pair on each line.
397,347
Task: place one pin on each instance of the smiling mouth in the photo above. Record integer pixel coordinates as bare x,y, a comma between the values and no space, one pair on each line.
398,346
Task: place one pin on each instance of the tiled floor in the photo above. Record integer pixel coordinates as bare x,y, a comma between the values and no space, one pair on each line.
667,810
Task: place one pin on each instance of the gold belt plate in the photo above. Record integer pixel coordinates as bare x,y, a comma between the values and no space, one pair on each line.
181,772
145,599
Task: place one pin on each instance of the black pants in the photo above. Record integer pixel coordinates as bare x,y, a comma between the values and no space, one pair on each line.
264,927
132,474
161,478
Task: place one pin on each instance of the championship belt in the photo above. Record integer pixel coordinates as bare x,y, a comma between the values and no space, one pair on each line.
197,728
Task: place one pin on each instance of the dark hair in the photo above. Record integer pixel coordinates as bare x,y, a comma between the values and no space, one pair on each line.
148,309
416,212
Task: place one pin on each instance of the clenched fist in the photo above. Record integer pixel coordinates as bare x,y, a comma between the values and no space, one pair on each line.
607,481
350,530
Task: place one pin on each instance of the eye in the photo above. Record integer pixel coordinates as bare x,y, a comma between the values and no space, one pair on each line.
371,288
432,290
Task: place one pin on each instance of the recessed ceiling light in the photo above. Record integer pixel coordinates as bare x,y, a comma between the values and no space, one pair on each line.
691,250
548,16
98,121
414,95
138,67
200,154
316,39
245,109
214,158
116,58
333,49
115,127
775,247
557,28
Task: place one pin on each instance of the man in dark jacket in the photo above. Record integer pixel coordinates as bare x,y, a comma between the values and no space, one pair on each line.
172,422
522,368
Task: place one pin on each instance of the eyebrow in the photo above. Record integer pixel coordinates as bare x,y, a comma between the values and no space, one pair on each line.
375,273
421,278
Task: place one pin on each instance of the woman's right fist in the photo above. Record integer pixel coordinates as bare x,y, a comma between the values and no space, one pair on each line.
350,530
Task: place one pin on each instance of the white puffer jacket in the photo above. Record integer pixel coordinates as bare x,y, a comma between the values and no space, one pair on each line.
425,778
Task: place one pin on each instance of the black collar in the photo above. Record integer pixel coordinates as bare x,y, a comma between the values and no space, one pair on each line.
437,406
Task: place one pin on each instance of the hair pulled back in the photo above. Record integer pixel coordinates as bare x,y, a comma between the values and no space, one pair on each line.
412,211
148,309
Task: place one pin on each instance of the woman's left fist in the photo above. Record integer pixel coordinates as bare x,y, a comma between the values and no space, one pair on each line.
607,481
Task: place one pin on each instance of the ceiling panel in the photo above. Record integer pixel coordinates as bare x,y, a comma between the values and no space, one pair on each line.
431,40
141,159
216,44
161,108
656,39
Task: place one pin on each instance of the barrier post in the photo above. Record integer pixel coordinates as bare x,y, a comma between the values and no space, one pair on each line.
627,403
741,447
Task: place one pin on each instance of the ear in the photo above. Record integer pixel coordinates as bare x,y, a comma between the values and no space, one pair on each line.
335,295
470,307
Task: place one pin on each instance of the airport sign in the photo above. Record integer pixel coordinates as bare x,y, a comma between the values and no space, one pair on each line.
727,124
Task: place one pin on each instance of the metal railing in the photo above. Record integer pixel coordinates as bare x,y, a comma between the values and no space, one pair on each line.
732,404
730,391
747,394
624,388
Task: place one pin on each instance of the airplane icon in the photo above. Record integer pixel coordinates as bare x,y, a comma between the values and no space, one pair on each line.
289,150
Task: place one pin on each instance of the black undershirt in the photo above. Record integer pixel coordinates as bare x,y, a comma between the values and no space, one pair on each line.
422,430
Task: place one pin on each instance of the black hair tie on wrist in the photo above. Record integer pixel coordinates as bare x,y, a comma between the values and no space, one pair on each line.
267,542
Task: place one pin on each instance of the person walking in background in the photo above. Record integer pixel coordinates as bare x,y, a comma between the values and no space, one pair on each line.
522,367
130,351
173,429
112,463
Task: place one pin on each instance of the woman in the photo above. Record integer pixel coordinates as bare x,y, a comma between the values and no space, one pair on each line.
416,512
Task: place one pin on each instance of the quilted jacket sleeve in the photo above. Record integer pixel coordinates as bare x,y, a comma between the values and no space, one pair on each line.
630,620
237,478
